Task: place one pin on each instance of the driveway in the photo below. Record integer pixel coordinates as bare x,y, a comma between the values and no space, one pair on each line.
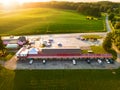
108,25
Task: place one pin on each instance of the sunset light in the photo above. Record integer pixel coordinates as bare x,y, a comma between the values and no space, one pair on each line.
7,3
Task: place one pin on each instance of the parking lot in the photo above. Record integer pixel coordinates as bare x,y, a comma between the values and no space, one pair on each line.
66,64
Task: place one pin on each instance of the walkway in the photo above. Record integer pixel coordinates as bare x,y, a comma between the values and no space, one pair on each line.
11,64
2,62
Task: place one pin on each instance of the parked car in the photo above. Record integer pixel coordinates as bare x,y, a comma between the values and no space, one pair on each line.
88,61
74,62
107,61
99,61
44,61
111,61
30,62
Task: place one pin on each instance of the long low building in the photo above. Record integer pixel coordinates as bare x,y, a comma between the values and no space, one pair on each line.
61,50
56,53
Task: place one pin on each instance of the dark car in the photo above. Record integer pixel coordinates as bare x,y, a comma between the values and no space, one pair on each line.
88,61
111,61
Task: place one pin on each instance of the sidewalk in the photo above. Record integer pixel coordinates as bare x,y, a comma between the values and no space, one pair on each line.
11,64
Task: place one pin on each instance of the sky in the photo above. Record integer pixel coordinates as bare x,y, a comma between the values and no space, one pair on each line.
59,0
89,0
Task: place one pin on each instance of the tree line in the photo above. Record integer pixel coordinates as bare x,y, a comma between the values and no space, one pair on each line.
115,20
2,47
91,9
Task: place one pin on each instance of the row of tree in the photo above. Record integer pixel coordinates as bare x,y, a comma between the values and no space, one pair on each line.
91,9
115,20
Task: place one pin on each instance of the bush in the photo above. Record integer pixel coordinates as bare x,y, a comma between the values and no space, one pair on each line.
117,25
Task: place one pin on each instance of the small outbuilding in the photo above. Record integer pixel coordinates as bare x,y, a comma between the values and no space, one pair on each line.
12,46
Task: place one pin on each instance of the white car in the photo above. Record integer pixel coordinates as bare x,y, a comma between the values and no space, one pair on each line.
107,61
30,62
74,62
44,61
99,61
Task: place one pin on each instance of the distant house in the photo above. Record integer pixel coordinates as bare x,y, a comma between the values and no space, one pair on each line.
22,40
10,41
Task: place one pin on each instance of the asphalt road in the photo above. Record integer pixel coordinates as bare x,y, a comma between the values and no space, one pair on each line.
108,25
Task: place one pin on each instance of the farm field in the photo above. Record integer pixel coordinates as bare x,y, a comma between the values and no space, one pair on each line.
47,21
60,79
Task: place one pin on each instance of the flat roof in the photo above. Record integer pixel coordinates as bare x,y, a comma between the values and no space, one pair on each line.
60,48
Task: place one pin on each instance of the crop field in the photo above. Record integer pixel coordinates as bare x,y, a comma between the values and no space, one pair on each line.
47,21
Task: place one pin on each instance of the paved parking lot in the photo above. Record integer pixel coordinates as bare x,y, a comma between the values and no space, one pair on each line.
64,64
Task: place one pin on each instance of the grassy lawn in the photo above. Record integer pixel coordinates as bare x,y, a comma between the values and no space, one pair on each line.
46,20
98,50
67,80
6,79
92,36
59,79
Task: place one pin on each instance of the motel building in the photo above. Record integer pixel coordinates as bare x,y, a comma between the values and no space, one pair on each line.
50,49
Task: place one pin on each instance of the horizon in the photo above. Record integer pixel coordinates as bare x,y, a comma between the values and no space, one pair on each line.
25,1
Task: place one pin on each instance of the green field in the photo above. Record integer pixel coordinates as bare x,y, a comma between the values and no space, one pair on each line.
60,79
46,21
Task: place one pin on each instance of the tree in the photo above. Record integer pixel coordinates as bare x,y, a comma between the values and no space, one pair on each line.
116,39
111,16
2,47
117,25
111,43
107,43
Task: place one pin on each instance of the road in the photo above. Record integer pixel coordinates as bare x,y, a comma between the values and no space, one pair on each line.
108,25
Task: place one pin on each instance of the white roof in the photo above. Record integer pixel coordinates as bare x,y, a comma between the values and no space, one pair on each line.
12,46
33,51
22,52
